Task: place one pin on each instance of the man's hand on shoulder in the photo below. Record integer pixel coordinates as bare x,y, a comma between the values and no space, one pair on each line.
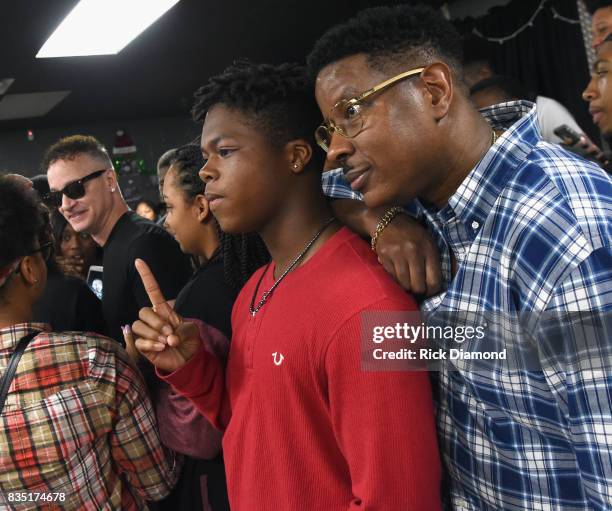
405,248
408,252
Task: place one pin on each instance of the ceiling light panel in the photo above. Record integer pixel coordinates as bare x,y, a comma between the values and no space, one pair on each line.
102,27
26,106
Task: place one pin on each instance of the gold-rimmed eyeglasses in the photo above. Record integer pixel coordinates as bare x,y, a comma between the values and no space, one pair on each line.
346,117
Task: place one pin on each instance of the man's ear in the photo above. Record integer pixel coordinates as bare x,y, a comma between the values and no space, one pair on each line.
111,179
298,154
203,208
439,84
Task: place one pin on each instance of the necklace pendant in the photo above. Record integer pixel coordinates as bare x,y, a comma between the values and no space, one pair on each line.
253,313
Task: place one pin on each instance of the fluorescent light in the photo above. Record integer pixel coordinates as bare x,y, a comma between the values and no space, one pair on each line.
102,27
33,104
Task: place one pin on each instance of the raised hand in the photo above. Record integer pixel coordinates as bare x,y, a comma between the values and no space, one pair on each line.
71,265
161,334
130,344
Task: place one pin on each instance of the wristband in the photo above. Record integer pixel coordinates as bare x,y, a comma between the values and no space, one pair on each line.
383,222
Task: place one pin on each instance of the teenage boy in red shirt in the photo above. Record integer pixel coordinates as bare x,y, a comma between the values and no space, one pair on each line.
305,427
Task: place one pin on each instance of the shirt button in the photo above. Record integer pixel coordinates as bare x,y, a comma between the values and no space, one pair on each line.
475,225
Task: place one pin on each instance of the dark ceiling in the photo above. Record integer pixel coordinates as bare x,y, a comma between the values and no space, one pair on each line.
157,73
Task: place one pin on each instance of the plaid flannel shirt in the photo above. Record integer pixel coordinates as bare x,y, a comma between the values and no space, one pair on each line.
78,423
530,230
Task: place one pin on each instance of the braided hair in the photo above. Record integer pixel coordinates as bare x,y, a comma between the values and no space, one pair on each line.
241,254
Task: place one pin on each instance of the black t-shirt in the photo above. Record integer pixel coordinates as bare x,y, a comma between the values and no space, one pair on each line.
67,303
208,297
134,237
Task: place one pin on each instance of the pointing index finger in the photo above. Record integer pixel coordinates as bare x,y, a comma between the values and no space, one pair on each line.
150,284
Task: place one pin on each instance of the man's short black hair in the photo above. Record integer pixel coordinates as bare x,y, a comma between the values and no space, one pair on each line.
593,5
508,85
405,34
23,220
70,147
277,99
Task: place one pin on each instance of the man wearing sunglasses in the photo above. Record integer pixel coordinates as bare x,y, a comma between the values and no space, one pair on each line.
524,232
84,187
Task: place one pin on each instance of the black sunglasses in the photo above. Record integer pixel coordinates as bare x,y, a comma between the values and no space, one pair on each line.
74,190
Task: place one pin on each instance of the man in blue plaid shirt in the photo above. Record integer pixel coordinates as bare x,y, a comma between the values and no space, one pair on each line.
523,229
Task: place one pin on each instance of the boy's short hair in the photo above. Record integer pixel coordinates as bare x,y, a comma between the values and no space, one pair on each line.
404,34
278,99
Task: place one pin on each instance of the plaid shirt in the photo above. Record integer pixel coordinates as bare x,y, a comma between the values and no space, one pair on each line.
78,423
530,230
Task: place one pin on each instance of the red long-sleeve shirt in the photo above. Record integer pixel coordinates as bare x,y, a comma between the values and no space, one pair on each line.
310,430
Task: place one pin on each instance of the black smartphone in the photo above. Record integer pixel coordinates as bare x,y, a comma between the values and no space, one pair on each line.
567,134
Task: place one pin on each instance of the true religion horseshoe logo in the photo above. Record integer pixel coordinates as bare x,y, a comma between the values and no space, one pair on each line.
278,360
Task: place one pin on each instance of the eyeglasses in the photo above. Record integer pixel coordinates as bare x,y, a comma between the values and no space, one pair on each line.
74,190
346,117
46,251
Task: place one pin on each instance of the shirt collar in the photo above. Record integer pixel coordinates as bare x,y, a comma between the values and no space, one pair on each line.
475,197
10,336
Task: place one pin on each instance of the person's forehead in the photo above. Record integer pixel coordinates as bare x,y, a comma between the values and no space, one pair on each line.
68,230
222,122
603,15
346,78
62,172
604,53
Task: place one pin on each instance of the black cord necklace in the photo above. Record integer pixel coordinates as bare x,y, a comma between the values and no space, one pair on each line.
254,309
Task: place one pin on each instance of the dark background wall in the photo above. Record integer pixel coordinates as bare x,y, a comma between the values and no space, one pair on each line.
151,136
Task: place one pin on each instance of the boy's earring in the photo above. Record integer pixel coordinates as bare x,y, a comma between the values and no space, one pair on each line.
296,166
113,189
